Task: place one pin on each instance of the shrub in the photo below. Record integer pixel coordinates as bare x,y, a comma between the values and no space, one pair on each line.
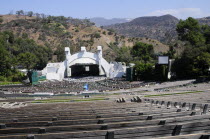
42,37
97,35
2,78
111,32
1,20
24,35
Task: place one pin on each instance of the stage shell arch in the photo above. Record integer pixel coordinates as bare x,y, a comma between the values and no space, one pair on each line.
83,63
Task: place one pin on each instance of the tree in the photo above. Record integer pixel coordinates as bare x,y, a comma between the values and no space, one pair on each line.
186,66
195,60
30,13
49,19
144,71
27,59
43,16
124,54
202,63
60,54
9,36
110,31
190,30
21,12
37,16
171,53
104,32
96,35
206,33
143,52
42,57
5,62
24,35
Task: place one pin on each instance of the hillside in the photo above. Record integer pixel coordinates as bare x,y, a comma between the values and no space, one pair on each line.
59,32
100,21
161,28
204,20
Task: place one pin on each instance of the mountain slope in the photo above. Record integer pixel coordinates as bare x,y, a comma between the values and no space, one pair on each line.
204,20
59,32
161,28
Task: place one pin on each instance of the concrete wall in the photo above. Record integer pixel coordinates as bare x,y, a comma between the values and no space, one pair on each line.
117,69
54,71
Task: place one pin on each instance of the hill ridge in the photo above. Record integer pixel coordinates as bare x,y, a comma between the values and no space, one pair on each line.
58,32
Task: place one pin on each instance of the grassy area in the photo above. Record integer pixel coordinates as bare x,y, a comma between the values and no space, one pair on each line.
9,83
141,91
173,94
66,100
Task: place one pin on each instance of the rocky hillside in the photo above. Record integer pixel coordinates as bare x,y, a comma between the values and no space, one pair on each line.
59,32
204,20
161,28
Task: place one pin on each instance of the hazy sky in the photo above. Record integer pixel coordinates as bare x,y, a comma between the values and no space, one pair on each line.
110,8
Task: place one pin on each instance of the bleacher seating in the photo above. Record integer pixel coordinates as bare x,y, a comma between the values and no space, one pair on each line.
138,118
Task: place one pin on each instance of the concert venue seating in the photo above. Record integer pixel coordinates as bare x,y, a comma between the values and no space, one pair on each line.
136,118
72,86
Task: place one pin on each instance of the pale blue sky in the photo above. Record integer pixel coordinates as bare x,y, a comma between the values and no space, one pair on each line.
110,8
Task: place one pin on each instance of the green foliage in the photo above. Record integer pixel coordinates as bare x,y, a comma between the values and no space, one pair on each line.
2,79
144,71
161,72
24,35
96,35
110,31
60,54
206,32
5,62
19,51
8,36
27,59
21,12
193,63
143,52
42,37
24,52
202,63
190,30
8,83
16,77
122,37
76,30
124,54
195,59
30,13
104,32
171,53
43,55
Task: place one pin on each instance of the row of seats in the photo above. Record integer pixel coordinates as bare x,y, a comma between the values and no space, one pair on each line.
63,87
135,118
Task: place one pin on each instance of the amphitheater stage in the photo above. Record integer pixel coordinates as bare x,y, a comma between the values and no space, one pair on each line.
83,70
